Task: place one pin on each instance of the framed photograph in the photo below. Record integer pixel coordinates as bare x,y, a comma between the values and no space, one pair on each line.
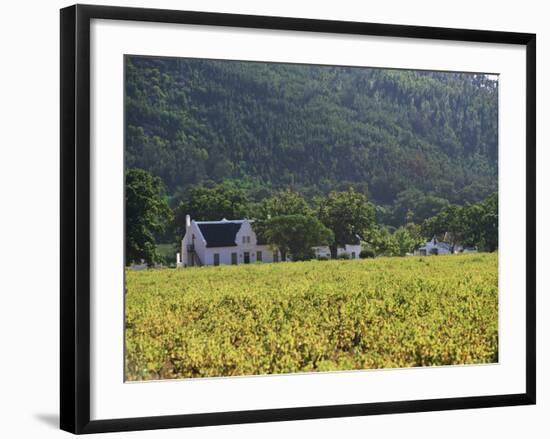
268,218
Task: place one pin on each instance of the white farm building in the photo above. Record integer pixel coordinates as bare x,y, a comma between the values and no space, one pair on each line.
223,242
351,250
234,242
435,247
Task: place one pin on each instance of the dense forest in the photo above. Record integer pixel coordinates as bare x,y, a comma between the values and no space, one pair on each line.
427,136
415,143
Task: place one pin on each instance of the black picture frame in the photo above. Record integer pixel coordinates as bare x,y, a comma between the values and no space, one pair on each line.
75,217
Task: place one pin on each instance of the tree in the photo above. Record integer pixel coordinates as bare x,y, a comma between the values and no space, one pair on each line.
448,220
474,224
472,228
315,128
147,214
347,214
285,202
489,222
212,203
296,234
407,238
382,242
481,223
413,205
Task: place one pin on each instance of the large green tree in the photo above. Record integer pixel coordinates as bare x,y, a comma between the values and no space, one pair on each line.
473,224
147,214
480,222
296,235
208,203
413,205
448,221
382,242
348,214
285,202
408,238
489,221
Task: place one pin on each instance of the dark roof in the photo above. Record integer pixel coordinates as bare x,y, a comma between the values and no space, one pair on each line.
355,239
220,234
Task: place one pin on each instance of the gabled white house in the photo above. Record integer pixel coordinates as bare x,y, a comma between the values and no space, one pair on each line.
434,247
234,242
351,250
222,242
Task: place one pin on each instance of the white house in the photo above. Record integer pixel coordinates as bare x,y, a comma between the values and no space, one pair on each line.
351,250
235,242
222,242
434,247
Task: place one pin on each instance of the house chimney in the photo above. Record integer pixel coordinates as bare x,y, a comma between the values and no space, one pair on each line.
187,222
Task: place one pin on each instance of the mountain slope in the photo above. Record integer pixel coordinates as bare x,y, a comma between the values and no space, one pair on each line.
313,128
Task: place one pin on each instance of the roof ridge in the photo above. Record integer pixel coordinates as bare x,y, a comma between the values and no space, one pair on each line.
224,221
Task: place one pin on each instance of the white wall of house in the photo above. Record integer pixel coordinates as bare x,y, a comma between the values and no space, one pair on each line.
245,240
192,230
427,249
268,254
225,254
246,243
352,250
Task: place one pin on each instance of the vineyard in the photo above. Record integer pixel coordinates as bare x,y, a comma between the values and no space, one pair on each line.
311,316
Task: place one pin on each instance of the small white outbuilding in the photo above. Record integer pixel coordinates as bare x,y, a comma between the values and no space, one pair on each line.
434,247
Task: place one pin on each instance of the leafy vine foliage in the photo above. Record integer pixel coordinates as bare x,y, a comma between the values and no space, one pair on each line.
311,316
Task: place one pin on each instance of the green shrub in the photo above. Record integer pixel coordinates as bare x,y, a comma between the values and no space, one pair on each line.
367,253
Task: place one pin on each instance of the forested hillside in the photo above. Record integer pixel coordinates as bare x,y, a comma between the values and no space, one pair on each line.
406,138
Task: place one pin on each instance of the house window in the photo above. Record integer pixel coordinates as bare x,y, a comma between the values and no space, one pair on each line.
244,239
352,255
259,256
248,239
233,258
275,256
216,259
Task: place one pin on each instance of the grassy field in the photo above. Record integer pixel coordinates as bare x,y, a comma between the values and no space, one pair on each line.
311,316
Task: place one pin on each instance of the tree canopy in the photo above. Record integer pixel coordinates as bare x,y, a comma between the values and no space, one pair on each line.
147,214
215,202
348,214
284,202
314,129
296,234
473,225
